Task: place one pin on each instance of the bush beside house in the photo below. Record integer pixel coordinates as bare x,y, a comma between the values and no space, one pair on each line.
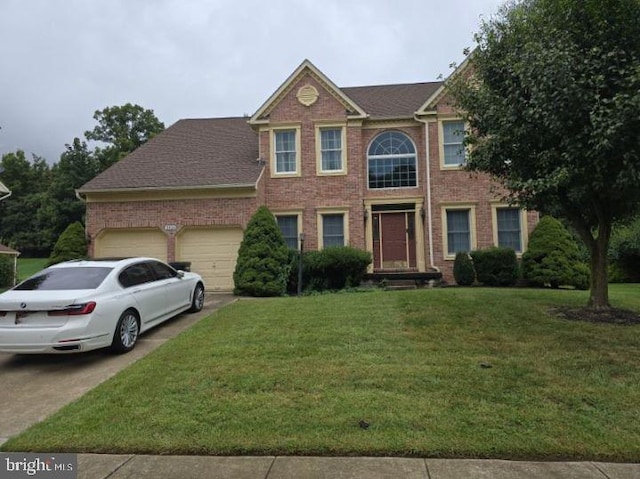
72,244
263,262
463,271
553,257
334,268
496,266
6,271
624,253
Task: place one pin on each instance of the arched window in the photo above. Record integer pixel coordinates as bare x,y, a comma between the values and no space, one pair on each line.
391,160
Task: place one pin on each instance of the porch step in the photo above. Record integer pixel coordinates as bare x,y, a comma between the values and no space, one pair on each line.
400,284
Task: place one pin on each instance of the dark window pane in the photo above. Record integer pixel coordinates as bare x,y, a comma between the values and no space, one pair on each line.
458,231
332,230
59,279
289,228
509,228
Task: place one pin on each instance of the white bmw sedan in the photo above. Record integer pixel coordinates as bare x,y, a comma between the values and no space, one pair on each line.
82,305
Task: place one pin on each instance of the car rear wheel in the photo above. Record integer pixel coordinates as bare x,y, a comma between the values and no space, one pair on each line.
197,303
126,334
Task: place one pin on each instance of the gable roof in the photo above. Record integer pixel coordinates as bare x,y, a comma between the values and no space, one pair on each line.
392,101
218,152
437,94
6,250
306,67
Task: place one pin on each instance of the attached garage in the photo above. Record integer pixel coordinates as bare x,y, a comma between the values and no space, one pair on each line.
212,252
131,242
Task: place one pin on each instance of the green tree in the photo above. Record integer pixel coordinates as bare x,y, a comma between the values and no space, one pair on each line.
553,258
77,165
552,106
72,244
123,128
22,224
263,267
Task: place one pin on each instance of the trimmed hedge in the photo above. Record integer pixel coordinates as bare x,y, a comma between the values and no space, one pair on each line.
496,266
463,271
334,268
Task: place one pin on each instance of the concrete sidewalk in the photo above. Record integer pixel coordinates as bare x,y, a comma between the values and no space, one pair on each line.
98,466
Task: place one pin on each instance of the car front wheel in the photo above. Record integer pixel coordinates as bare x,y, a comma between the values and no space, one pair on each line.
197,303
126,334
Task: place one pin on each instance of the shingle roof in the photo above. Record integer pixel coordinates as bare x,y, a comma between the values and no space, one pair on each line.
190,153
391,101
6,250
223,151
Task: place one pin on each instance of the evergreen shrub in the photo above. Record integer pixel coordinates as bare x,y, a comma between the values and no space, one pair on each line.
553,257
72,244
334,268
263,262
496,266
6,271
463,270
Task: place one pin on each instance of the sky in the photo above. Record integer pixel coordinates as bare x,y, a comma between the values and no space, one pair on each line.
64,59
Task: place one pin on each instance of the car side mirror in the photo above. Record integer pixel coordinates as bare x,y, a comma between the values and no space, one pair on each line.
180,273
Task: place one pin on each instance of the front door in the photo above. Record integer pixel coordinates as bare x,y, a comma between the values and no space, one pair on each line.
394,244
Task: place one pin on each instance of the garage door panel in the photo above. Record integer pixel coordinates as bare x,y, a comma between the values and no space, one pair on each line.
131,242
212,252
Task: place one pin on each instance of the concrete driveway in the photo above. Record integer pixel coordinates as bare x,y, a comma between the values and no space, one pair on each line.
33,387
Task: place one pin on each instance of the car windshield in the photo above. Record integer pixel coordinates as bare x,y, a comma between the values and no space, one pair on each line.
58,279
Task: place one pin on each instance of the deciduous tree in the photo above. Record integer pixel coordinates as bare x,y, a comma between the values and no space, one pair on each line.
552,107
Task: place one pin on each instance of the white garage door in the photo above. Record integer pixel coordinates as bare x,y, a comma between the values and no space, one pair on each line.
212,252
131,242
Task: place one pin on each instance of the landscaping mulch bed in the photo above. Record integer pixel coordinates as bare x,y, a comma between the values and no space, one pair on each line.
611,315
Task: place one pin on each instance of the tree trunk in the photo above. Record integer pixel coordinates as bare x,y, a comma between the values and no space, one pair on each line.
599,294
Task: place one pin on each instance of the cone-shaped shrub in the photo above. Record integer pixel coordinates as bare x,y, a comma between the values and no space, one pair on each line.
553,258
463,271
72,244
263,259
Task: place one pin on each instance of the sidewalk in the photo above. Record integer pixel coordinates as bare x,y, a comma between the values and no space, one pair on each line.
98,466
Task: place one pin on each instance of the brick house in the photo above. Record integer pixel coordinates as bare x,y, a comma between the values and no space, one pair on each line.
374,167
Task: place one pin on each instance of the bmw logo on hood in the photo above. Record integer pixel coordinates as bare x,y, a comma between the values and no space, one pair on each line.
23,305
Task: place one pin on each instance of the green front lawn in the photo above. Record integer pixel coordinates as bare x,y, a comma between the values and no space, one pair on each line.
30,266
456,372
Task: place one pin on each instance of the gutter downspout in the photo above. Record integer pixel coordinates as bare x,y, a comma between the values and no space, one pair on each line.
429,211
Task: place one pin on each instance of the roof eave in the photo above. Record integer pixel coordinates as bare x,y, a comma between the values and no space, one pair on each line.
167,188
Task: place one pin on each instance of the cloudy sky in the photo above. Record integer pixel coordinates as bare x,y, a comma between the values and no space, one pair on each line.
62,60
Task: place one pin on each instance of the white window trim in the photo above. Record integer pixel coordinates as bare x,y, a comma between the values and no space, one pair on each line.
524,231
444,166
343,131
445,232
272,140
297,214
332,211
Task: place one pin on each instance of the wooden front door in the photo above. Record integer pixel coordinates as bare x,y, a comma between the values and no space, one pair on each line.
394,244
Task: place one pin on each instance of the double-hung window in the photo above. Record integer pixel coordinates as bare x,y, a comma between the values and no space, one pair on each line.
331,150
285,150
289,227
333,230
508,223
458,230
452,147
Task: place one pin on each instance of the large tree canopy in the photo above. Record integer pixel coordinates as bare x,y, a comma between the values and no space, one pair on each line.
124,128
552,101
